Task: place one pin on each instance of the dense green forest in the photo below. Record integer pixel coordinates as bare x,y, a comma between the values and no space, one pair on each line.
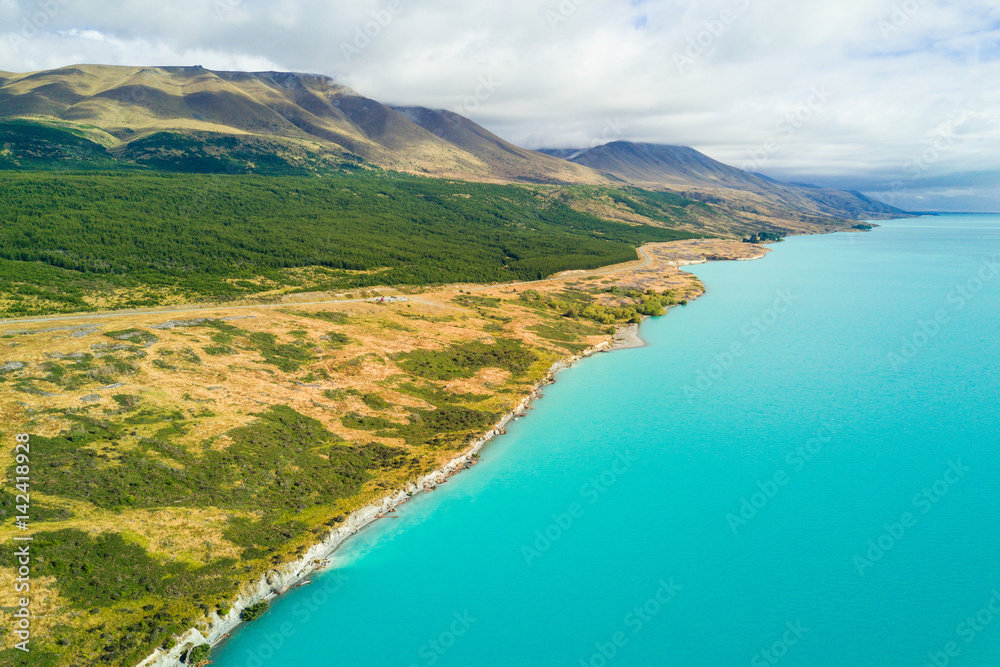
28,145
68,238
31,145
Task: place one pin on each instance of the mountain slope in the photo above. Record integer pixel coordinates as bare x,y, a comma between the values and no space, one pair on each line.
684,169
656,164
304,118
504,156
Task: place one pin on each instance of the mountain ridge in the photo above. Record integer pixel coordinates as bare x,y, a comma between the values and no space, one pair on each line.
188,118
304,112
697,175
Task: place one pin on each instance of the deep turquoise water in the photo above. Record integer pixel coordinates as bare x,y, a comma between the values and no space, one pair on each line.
636,465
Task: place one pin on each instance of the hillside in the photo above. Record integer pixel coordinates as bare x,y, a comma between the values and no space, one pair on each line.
505,157
694,174
165,117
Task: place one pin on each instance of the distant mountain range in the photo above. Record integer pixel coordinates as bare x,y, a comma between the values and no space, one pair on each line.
197,120
696,175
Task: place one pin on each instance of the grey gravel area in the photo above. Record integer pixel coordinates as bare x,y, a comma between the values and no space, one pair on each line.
173,324
79,331
70,355
627,337
107,347
127,336
83,332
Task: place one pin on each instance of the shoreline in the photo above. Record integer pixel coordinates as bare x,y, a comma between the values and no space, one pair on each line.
291,575
627,337
286,577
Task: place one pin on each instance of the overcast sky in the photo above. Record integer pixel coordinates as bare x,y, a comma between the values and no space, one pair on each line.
898,98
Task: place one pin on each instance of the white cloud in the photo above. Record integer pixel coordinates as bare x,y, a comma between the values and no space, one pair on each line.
722,75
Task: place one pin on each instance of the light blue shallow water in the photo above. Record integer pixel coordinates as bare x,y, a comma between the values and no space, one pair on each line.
636,464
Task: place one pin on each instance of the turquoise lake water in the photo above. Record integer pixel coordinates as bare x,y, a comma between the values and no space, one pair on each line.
827,495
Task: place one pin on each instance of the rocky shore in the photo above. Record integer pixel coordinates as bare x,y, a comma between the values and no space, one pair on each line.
627,337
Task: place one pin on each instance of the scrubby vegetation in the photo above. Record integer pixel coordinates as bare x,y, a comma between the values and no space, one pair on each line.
254,611
566,333
662,206
98,571
286,356
93,571
466,359
447,425
280,464
249,474
41,146
578,304
764,237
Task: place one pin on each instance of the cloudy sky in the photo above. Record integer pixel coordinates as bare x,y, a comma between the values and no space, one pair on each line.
898,98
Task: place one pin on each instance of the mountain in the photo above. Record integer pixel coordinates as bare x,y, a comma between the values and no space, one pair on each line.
658,164
253,121
694,174
505,158
197,120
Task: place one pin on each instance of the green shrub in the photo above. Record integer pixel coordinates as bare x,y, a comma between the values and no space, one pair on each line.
287,357
198,654
375,402
137,336
364,423
127,401
254,611
445,426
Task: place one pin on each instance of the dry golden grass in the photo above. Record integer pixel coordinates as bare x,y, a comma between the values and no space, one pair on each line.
191,535
48,610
